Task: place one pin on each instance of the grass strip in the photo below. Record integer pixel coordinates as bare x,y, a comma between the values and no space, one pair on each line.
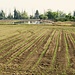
67,52
55,53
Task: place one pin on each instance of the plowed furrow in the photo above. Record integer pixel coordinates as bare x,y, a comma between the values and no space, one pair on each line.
21,50
73,35
12,49
42,54
45,64
23,56
60,61
71,46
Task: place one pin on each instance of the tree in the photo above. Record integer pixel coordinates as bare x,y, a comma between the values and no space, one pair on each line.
42,16
37,14
74,13
31,17
55,14
69,17
2,15
49,14
24,15
17,14
10,16
20,15
61,14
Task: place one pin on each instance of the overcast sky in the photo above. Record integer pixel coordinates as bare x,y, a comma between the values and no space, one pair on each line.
42,5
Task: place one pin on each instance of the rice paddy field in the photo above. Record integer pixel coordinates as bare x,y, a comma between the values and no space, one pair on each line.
37,50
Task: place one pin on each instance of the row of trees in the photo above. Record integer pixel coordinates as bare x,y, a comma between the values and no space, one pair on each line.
17,15
57,16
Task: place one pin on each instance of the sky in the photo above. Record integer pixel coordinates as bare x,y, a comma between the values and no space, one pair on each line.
42,5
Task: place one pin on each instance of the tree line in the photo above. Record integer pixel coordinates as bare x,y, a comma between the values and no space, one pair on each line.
49,14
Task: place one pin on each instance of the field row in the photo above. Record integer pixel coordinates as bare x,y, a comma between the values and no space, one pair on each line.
40,51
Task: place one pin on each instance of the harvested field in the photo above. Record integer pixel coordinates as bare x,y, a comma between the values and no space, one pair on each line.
37,50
